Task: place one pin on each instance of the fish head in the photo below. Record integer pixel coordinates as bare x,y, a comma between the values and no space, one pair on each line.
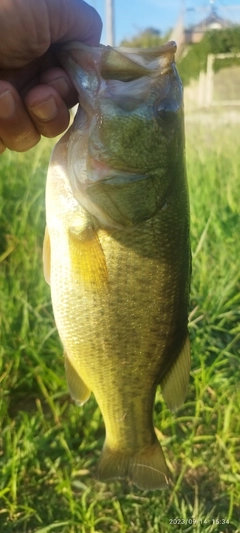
128,129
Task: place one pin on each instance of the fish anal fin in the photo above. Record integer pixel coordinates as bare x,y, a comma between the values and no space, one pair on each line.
174,385
47,257
77,388
87,257
147,468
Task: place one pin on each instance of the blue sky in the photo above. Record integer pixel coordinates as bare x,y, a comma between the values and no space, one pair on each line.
132,16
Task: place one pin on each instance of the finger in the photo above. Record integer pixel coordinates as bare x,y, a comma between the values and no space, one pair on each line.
17,131
47,110
60,81
74,20
2,147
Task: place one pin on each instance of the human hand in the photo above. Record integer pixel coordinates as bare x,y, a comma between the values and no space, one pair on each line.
35,93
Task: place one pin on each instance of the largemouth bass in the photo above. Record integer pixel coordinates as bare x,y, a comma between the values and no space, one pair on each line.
116,249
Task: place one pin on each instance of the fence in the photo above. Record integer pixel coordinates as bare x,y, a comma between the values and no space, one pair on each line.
215,89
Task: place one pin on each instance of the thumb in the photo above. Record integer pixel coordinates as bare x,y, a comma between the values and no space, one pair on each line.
74,20
29,27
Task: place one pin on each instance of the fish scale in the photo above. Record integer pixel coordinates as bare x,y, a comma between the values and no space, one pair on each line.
117,253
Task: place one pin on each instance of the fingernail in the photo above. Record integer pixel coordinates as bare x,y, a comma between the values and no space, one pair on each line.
7,105
61,86
46,110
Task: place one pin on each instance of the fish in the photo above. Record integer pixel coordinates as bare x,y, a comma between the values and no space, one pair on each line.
116,249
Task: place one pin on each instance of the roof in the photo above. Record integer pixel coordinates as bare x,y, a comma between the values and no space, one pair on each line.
213,21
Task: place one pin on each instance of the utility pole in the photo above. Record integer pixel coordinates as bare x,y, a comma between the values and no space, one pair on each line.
110,22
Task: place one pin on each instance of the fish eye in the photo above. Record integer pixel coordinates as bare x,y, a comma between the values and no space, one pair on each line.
167,108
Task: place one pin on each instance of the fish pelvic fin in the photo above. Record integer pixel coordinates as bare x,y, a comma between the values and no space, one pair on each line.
77,388
47,257
147,468
174,385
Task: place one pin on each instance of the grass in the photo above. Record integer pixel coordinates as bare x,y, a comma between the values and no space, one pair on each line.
48,446
226,83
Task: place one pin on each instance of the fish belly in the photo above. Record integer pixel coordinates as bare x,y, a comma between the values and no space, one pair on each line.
123,324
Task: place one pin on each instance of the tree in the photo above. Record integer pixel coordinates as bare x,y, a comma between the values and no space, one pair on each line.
213,42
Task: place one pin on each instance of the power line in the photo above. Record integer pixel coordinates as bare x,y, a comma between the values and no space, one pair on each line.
110,22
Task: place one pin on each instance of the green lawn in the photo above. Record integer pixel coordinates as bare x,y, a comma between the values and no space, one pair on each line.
49,447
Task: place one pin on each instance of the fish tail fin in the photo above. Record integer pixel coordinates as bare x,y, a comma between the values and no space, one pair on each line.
147,468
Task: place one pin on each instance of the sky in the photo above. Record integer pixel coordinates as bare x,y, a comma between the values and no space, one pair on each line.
133,16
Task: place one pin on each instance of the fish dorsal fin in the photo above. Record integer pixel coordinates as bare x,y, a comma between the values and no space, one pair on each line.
77,388
174,385
47,257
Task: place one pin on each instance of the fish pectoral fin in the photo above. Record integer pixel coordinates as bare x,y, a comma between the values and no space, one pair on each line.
174,385
47,257
77,388
147,468
87,257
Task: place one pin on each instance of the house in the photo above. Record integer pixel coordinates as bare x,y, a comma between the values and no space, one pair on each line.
194,34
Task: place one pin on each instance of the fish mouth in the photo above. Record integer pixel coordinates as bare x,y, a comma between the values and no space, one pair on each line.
98,171
122,63
107,71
